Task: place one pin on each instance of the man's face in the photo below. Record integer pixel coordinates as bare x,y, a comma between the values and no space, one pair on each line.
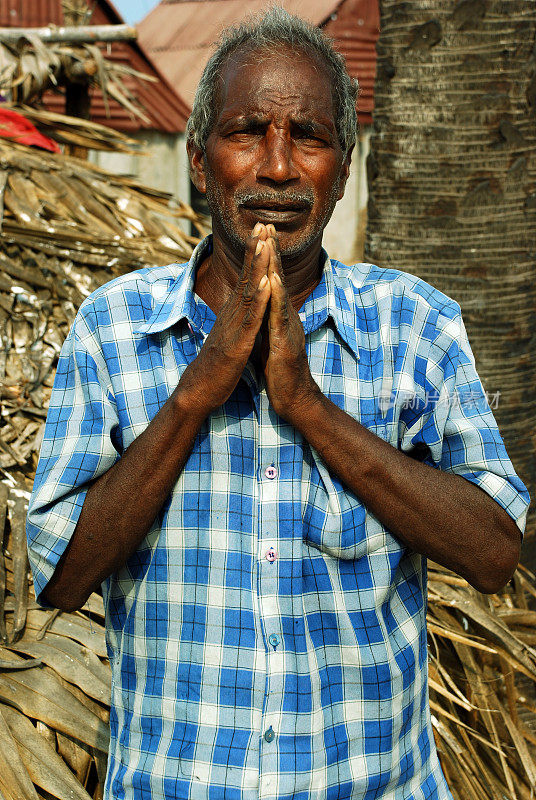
273,154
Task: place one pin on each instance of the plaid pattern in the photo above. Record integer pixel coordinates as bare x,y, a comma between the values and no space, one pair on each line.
268,638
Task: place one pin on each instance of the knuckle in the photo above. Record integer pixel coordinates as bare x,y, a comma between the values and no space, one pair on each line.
248,319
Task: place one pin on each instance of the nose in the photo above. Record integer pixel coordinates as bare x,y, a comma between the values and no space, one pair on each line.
276,164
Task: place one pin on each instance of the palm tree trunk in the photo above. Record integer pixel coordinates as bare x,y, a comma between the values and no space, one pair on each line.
452,185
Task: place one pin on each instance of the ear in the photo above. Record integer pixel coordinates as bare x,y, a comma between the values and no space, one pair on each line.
196,158
345,171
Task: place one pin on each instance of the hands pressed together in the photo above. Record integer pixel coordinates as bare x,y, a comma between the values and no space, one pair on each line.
260,303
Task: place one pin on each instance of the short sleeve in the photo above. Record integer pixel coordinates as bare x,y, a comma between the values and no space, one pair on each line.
456,426
78,446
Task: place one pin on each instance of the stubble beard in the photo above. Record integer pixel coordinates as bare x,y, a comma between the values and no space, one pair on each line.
221,218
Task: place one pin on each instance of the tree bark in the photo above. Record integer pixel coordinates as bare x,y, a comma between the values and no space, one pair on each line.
452,185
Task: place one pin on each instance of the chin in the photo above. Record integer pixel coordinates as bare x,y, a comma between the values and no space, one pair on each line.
295,247
293,244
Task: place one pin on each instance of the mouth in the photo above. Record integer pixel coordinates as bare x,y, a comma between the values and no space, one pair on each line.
273,211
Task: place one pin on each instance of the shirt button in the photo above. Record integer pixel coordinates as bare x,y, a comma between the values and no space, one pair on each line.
269,735
270,472
274,640
271,554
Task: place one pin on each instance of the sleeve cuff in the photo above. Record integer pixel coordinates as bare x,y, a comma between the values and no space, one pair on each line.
515,501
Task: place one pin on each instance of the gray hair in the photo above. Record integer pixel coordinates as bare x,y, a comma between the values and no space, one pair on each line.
276,29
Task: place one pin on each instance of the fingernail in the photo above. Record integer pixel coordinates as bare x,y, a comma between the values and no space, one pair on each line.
263,281
278,279
260,245
271,229
257,229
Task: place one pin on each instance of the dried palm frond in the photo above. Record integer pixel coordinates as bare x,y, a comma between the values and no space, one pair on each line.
66,228
77,131
482,686
30,67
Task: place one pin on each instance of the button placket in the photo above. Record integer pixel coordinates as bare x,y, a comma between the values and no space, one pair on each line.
269,554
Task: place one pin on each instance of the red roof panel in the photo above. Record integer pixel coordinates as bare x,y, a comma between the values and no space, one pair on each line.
179,36
355,28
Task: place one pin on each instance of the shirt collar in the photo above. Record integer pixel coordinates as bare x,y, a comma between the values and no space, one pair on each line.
328,299
179,301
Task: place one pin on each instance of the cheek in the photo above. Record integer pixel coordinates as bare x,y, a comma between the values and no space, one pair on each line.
232,166
322,175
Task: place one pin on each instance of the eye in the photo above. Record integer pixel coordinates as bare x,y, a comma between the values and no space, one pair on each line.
309,137
242,132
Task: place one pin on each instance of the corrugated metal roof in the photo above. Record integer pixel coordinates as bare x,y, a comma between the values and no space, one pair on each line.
165,109
179,36
355,28
29,13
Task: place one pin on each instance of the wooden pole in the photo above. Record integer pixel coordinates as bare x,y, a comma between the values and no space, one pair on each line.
72,34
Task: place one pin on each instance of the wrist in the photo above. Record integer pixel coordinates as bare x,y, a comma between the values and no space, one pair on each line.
190,405
308,409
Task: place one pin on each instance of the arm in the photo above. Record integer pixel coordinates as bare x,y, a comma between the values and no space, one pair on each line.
121,505
437,514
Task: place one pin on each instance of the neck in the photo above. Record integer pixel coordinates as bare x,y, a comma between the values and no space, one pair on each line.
218,274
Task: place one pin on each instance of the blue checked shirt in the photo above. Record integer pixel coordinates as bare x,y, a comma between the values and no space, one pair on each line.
268,637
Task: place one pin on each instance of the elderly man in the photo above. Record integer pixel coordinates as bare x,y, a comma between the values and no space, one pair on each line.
254,453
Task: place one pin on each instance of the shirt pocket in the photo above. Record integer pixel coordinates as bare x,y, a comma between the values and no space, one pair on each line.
335,521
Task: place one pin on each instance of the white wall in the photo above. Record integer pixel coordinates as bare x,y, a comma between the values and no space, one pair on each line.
344,233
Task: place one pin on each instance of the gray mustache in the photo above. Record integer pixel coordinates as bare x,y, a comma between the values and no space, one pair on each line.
304,198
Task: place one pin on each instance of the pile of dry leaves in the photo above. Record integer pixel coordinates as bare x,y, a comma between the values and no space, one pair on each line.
66,227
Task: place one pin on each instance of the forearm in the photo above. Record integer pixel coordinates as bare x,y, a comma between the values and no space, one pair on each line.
438,514
121,505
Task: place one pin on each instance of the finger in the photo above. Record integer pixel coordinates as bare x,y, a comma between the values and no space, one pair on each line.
280,297
275,261
279,315
271,230
261,260
255,263
261,230
255,313
249,253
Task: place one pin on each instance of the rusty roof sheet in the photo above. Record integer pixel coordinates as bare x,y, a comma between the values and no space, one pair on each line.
355,28
165,109
179,36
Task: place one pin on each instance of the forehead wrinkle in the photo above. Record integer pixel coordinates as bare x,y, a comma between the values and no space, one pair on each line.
246,110
248,56
259,97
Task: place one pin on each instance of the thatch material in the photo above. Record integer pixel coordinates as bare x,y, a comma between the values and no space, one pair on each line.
29,67
66,228
77,132
482,686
